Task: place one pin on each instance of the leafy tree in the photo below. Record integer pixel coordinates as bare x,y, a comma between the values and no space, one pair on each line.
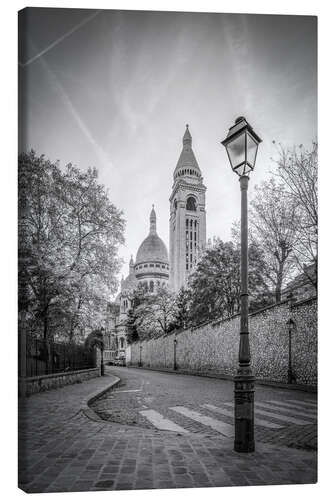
138,296
69,233
182,308
215,284
154,314
131,327
94,340
298,171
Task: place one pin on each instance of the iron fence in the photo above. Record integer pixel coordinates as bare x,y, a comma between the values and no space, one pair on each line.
46,357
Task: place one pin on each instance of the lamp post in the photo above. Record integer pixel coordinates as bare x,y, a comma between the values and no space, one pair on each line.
241,144
140,361
291,325
174,353
102,352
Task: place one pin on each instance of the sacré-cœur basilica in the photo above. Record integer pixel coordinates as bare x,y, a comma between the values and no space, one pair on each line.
153,265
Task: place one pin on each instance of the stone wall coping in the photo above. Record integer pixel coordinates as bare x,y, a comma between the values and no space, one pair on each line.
60,374
305,301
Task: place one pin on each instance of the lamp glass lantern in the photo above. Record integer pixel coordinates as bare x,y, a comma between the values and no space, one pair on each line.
242,144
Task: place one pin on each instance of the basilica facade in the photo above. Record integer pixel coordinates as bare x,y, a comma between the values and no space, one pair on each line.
153,266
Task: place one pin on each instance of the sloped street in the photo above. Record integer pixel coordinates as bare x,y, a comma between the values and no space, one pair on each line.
65,446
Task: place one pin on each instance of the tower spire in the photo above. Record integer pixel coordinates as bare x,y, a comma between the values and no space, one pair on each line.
187,163
187,139
131,265
152,221
187,215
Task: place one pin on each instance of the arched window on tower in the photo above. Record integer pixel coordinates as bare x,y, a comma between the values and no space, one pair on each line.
191,204
151,287
175,205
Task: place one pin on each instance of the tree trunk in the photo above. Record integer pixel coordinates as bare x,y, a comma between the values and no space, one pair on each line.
48,361
279,283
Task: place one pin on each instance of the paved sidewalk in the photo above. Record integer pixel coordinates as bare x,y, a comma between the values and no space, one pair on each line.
63,449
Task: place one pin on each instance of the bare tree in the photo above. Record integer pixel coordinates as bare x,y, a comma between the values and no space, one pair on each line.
298,170
273,218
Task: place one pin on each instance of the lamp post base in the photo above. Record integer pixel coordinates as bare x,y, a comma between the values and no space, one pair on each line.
244,411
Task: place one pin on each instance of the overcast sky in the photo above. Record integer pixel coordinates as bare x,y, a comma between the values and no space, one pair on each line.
114,89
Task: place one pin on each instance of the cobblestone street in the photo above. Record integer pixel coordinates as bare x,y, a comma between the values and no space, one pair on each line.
161,392
66,447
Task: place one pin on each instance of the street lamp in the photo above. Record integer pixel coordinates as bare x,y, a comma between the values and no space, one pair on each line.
174,353
241,144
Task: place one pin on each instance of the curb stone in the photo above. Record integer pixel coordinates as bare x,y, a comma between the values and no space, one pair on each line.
91,398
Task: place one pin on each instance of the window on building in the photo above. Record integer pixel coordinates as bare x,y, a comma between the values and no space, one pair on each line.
191,204
191,237
151,286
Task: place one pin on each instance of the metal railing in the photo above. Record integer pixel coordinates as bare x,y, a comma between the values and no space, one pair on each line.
46,357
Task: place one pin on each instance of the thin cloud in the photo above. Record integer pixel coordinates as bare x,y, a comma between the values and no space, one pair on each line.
75,114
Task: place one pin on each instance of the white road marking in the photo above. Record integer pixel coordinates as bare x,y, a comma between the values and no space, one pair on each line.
294,411
258,421
225,429
277,416
284,418
129,390
312,410
161,422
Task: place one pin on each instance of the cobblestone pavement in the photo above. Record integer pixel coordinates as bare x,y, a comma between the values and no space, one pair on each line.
62,449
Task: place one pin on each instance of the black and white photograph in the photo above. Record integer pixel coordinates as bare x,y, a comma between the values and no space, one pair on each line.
167,201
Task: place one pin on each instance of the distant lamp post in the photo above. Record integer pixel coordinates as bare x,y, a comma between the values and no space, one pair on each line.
102,352
174,353
242,144
291,324
102,363
140,361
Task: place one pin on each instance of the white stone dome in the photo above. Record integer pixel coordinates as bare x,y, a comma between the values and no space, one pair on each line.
152,249
152,263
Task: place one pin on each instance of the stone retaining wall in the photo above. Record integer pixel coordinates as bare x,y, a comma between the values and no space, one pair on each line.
213,347
55,380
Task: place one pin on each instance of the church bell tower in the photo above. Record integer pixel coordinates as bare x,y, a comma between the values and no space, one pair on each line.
187,215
